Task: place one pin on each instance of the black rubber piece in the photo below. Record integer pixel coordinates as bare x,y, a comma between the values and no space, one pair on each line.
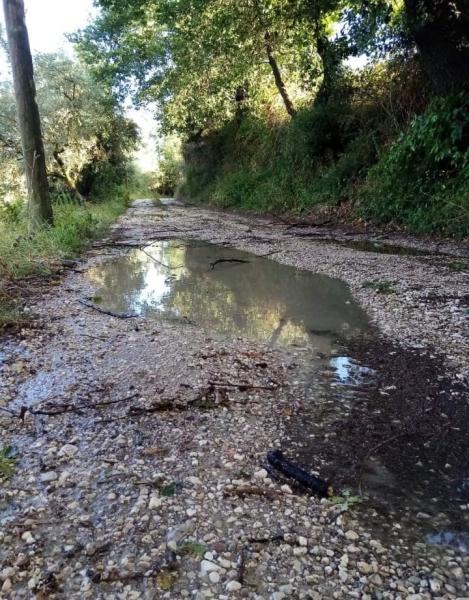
315,484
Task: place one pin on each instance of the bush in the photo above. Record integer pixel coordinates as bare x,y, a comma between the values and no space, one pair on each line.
422,179
378,144
288,166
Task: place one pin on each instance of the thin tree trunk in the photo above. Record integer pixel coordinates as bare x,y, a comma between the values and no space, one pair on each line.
278,77
40,208
330,66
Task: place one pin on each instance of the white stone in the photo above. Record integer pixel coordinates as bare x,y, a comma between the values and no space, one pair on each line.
27,537
155,502
351,535
6,573
302,541
206,567
48,476
286,589
226,564
364,567
64,477
194,480
68,450
233,586
214,577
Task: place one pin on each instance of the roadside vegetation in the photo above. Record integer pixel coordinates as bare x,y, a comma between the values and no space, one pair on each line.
274,114
88,145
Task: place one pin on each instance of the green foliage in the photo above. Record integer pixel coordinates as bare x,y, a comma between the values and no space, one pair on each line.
422,179
193,57
364,145
41,253
193,548
8,455
280,166
221,74
11,212
345,500
171,489
24,254
170,167
87,138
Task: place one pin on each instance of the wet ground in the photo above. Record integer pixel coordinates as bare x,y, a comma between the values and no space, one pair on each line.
233,294
139,411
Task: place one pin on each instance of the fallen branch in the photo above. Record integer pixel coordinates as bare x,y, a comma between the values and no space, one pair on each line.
159,407
107,312
314,484
227,260
242,387
267,540
93,337
68,408
385,443
251,490
159,261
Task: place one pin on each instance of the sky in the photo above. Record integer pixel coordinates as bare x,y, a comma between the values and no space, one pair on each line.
48,22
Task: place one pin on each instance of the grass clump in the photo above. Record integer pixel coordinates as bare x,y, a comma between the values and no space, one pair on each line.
25,254
380,287
8,455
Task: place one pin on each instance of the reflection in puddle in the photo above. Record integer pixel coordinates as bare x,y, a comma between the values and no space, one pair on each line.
233,293
380,248
452,539
349,372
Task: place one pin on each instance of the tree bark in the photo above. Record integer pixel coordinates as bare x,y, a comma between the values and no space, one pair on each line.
440,30
331,65
278,77
40,208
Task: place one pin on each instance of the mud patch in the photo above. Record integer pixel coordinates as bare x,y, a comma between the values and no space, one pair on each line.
396,435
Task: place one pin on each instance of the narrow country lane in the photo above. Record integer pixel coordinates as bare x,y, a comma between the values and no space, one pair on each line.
140,408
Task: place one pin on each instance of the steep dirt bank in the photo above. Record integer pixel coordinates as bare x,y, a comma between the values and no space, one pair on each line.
139,471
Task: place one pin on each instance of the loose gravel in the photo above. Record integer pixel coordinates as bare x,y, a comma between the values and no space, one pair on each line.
137,477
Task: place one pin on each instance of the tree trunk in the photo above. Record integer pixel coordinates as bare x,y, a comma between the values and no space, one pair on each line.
278,77
331,65
40,209
441,32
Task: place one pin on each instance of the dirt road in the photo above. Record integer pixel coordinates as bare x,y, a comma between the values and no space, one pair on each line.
140,409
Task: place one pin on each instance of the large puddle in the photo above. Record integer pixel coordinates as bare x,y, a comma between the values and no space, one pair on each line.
229,292
232,294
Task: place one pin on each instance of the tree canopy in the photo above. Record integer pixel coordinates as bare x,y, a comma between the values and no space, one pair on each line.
85,131
200,60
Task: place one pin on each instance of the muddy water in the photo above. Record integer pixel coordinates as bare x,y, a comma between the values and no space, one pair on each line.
229,293
232,294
